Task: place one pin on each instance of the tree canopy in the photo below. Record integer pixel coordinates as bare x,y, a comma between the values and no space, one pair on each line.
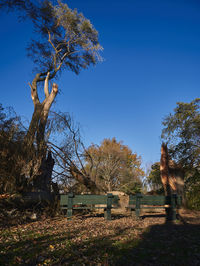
153,177
114,166
182,132
63,38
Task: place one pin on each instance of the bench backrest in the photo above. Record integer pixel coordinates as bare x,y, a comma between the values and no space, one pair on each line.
152,200
88,199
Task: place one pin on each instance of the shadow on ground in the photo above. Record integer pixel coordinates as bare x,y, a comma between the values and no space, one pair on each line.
167,244
160,244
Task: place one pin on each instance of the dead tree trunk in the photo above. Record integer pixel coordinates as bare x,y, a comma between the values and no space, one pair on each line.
172,174
172,177
164,169
176,174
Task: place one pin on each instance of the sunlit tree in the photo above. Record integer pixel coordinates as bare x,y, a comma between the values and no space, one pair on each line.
64,40
114,166
182,132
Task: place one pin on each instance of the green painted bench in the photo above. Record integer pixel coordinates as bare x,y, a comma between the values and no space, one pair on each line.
139,201
72,202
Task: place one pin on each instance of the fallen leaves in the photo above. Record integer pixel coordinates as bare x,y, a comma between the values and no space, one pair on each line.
92,240
51,247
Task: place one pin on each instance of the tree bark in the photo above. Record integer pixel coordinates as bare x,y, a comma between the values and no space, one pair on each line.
164,170
36,130
42,181
38,164
30,136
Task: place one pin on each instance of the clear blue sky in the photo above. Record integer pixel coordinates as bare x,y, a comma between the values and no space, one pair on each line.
152,61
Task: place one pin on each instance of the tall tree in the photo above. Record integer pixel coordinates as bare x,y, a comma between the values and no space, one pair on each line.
64,39
113,166
167,177
153,177
182,132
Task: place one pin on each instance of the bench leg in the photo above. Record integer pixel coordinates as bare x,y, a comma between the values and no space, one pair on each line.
133,214
69,214
107,214
173,214
137,213
170,214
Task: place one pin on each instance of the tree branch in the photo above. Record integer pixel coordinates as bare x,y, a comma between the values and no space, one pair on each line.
49,100
46,85
33,86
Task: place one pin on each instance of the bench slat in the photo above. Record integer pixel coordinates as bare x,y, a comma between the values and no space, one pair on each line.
90,199
139,201
71,202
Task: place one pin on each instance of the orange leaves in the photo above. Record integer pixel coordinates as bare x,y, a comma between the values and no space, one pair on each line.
113,164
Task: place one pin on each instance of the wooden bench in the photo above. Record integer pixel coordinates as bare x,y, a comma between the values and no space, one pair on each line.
139,201
72,202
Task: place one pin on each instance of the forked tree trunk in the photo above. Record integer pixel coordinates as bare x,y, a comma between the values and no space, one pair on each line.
36,130
38,164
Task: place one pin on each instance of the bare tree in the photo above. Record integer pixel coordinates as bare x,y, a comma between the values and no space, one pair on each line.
69,152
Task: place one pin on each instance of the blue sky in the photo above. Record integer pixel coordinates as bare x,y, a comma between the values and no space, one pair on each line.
151,61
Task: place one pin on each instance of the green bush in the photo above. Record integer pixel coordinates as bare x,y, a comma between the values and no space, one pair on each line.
193,197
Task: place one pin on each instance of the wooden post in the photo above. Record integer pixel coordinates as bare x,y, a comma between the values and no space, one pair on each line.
137,207
70,206
107,211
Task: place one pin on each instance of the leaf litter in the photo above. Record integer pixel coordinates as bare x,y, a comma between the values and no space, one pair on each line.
91,240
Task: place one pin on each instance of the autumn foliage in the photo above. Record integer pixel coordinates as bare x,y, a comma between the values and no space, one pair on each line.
114,166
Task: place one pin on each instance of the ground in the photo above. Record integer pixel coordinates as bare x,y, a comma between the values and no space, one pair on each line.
91,240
